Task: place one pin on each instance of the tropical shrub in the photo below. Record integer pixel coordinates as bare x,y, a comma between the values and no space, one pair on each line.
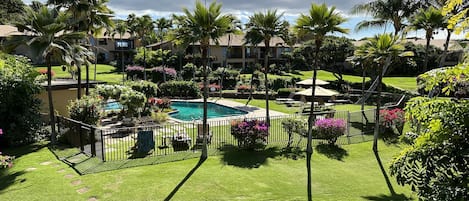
285,92
188,71
150,89
109,91
451,81
294,126
159,117
211,87
87,109
160,103
392,120
281,83
19,106
183,89
436,165
133,102
251,134
157,74
243,88
5,161
134,72
329,129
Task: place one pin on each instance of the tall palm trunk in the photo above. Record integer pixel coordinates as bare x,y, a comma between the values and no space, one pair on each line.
378,103
205,84
252,76
51,104
311,120
122,60
87,88
427,48
266,82
144,63
78,65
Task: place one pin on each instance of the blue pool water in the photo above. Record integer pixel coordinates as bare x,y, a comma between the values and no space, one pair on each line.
188,111
113,106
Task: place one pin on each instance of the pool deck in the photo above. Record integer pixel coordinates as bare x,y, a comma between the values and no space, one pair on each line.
252,111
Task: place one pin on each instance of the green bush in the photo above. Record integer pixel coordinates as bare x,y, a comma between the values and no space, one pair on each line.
133,102
285,92
19,105
188,71
159,117
294,126
108,91
150,89
183,89
87,109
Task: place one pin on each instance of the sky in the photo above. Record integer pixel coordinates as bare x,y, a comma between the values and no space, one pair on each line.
244,8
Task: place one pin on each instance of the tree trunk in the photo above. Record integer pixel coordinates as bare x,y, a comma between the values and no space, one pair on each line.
87,89
252,77
427,48
51,104
95,58
445,51
78,80
122,62
311,120
378,105
363,102
204,120
144,63
266,84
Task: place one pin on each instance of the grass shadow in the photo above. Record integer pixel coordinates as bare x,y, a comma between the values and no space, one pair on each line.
363,127
294,153
232,155
17,152
9,179
332,151
176,189
395,197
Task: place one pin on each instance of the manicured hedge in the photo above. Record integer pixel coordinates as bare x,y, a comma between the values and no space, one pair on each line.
180,89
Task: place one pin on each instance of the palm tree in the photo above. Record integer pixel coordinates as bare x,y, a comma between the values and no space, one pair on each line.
143,26
253,39
48,38
163,25
320,21
386,11
202,25
429,19
380,51
121,28
267,25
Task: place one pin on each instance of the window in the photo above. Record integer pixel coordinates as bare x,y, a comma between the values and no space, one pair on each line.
121,44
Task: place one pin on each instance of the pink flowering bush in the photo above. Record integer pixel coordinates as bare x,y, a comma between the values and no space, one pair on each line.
329,129
392,120
5,161
251,134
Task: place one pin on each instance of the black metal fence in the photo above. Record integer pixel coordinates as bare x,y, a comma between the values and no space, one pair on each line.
176,139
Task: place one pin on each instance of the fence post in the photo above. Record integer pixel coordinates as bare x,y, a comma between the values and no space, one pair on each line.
103,158
92,141
58,124
348,127
80,134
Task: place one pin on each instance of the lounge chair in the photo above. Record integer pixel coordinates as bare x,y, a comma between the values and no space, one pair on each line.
283,100
200,134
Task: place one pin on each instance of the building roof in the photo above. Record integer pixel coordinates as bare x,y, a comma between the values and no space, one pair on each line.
9,30
440,43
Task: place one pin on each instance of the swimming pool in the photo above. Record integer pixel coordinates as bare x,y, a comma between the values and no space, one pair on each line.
188,111
111,106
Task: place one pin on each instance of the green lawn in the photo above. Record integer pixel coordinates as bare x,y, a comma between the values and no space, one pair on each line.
292,110
347,173
103,73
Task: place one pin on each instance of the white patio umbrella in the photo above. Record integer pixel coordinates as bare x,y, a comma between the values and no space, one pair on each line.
309,82
319,92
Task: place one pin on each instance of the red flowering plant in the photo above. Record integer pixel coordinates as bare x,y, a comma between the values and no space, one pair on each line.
5,161
392,119
251,134
329,129
243,88
161,103
43,71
